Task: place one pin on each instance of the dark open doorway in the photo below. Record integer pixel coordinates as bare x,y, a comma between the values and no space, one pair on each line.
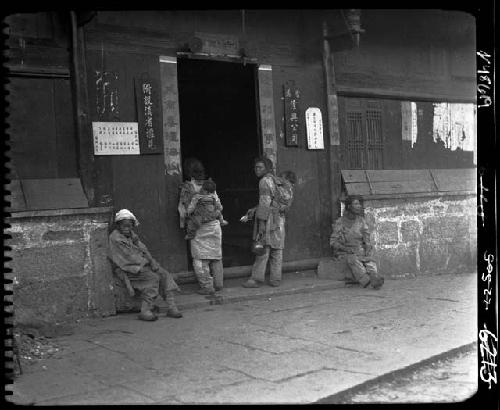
219,126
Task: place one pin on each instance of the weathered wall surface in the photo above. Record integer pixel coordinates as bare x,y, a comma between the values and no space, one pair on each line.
129,43
427,53
419,235
309,217
60,268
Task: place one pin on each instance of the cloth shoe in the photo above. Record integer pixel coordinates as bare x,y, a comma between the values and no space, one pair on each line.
174,312
148,316
250,283
377,282
218,288
274,283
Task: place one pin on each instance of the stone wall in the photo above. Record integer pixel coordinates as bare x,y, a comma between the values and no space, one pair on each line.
424,235
59,265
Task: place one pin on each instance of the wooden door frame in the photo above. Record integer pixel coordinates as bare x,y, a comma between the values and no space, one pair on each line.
265,114
265,110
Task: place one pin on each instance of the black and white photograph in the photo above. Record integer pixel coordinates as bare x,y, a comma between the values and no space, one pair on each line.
249,206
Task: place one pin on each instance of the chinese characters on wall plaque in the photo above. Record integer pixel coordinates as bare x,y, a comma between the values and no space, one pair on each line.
292,96
314,126
150,139
115,138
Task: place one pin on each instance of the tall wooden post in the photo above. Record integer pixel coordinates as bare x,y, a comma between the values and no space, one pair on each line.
81,110
333,125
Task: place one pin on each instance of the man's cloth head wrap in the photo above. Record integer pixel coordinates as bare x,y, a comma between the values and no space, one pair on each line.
123,214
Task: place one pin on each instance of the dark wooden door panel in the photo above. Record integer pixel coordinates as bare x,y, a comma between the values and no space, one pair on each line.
32,129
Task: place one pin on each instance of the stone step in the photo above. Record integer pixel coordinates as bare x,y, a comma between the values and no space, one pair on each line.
233,292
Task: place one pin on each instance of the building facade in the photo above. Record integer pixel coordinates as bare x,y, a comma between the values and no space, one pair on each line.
105,106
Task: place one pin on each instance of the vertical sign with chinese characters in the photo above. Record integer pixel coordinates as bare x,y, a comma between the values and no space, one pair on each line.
333,112
115,138
292,96
147,113
406,120
106,88
314,126
265,75
170,106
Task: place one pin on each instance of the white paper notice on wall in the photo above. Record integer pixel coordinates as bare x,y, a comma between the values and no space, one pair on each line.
116,138
314,127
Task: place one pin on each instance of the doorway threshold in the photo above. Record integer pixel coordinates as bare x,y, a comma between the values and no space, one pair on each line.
234,272
293,283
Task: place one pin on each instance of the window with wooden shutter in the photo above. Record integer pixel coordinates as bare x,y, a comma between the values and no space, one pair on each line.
363,142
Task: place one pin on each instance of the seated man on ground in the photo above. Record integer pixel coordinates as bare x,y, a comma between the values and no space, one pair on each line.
350,240
140,271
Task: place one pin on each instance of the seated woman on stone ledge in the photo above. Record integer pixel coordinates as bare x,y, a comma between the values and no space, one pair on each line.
138,269
350,241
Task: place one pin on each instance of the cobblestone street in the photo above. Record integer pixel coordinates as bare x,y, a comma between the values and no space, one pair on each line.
293,348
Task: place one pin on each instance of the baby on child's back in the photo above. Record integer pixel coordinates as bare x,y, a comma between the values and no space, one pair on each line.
204,207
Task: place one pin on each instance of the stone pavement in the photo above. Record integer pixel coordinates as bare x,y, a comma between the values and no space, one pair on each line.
295,347
450,379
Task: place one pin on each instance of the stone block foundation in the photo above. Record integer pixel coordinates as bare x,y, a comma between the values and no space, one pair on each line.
424,235
60,271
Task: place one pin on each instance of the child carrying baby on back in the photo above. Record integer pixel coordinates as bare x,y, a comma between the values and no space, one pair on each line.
281,201
204,207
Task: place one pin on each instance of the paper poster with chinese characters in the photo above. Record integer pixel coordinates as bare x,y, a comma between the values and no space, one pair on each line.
314,127
116,138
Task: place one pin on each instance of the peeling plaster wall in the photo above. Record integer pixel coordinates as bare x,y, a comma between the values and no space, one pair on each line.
417,235
60,270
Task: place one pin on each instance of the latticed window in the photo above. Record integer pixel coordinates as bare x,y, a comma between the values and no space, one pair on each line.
354,142
363,140
374,142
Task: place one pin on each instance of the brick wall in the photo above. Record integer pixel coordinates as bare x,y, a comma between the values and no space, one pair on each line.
60,270
424,235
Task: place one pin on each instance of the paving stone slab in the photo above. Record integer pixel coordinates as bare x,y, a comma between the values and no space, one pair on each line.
110,395
36,387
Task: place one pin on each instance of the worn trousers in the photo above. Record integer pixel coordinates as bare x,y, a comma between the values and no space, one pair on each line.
152,285
275,257
361,271
209,273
